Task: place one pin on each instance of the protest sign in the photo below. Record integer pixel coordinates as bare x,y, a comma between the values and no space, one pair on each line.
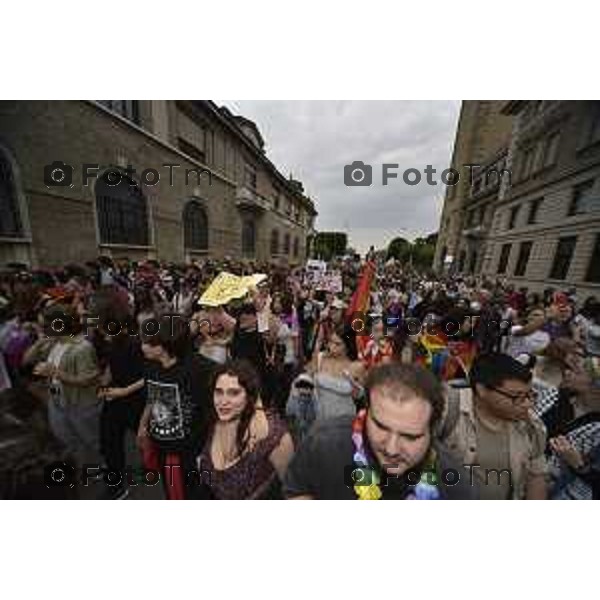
227,287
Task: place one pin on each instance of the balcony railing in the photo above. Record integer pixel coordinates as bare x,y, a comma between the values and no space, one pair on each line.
477,231
248,198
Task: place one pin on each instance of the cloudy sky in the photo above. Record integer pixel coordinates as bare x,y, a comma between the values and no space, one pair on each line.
315,139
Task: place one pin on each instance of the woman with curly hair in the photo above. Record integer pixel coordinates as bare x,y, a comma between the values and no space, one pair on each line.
247,449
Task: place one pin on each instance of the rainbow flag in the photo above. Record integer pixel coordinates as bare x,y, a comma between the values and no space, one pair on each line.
360,302
462,356
446,358
361,297
432,352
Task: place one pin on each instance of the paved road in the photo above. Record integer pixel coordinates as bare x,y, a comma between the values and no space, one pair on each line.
138,492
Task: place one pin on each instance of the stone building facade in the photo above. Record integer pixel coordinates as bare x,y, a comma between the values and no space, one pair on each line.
176,180
543,226
481,139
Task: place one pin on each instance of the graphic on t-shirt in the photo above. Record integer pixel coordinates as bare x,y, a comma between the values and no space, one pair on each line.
166,417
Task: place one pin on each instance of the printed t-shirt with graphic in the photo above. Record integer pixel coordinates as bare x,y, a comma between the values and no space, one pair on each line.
180,403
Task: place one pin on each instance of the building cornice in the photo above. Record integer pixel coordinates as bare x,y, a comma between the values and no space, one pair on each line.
527,188
307,203
162,142
231,124
575,224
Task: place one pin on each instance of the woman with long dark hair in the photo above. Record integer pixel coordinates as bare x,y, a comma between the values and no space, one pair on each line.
338,379
247,449
69,366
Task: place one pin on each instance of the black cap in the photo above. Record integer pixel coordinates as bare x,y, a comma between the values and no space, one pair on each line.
491,370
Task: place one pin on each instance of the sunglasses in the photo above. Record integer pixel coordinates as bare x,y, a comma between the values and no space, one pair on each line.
515,398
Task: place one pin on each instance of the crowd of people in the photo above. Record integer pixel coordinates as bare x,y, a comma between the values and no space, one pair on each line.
378,383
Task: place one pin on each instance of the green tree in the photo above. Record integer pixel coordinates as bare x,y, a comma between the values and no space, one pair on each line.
330,243
399,248
431,239
423,256
419,253
424,251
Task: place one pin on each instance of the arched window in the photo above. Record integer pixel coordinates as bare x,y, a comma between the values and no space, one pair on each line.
286,244
248,235
275,242
121,210
296,247
461,261
10,218
195,223
473,261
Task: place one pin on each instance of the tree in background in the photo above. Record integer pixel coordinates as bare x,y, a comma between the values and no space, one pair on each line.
419,253
329,244
399,249
424,251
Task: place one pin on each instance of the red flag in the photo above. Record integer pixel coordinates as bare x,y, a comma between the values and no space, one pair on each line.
359,305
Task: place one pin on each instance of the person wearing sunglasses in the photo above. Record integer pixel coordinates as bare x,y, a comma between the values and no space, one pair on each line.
495,430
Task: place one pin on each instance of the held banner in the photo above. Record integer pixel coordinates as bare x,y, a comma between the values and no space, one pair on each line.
330,281
227,287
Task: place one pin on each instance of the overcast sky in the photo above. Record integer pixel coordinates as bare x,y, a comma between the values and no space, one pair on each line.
315,139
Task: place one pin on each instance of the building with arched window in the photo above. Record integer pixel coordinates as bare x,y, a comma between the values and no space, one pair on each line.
195,223
275,242
190,179
14,230
248,236
121,210
10,219
530,212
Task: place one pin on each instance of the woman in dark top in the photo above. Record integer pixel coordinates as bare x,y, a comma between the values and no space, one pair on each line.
247,449
123,399
248,344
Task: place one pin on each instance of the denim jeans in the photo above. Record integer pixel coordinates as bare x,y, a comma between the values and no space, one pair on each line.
78,428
